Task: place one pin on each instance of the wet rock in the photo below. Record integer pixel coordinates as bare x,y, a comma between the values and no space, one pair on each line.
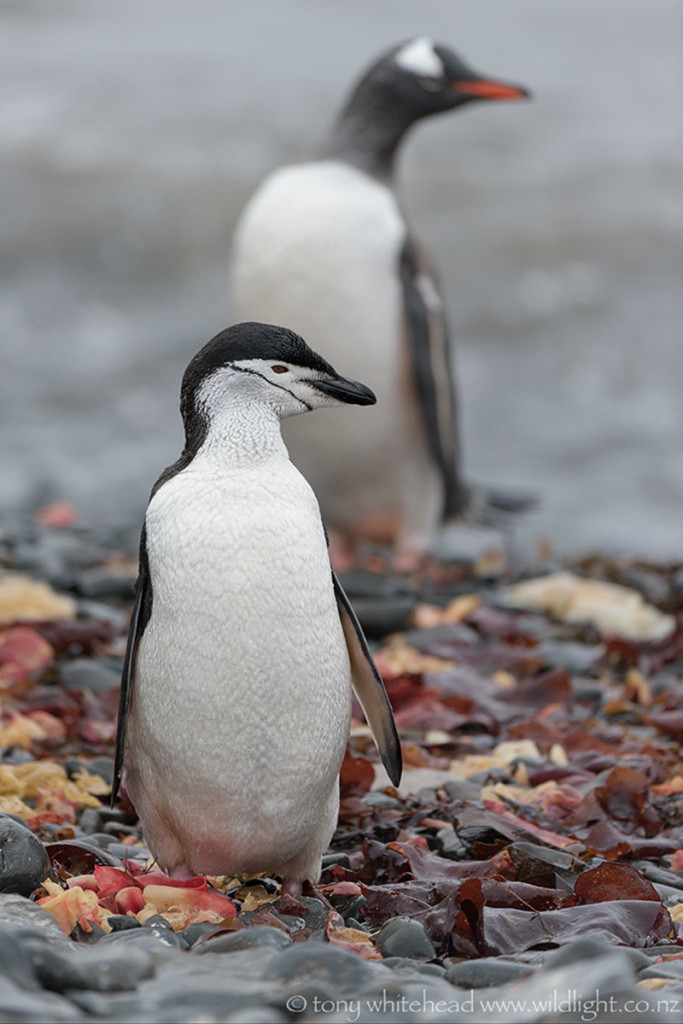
587,948
17,1006
196,931
113,616
382,616
88,674
24,863
575,658
100,581
89,821
426,640
449,844
342,859
381,801
104,767
110,969
405,937
249,938
343,972
151,939
123,922
23,917
485,973
14,963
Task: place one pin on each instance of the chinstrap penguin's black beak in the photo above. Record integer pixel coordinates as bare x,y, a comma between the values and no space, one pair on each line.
350,391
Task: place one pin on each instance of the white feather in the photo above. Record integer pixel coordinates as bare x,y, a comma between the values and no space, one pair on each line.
318,250
241,706
419,58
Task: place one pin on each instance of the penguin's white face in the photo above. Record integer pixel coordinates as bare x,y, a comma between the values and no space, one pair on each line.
283,387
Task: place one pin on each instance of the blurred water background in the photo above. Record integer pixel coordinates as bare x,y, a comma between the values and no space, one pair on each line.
133,133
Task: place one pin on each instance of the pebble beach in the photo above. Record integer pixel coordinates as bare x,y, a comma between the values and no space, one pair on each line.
529,868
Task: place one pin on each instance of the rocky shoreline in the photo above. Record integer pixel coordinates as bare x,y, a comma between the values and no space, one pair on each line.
529,868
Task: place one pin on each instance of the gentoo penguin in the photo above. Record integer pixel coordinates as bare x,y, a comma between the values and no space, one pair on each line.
325,248
243,648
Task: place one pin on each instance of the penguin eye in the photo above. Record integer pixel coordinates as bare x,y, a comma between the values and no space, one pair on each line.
431,84
279,368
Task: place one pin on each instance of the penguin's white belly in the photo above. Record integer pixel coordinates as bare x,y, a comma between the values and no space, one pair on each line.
241,706
318,250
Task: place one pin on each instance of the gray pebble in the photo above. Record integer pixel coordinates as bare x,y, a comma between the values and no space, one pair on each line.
404,937
151,939
485,973
343,971
575,658
247,938
101,581
17,1006
449,844
23,916
14,961
88,674
24,862
110,969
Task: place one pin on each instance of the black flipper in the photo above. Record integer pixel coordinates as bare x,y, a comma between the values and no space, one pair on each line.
142,610
369,688
431,356
431,360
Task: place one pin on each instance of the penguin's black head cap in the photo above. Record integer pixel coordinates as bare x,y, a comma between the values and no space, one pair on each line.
273,359
412,80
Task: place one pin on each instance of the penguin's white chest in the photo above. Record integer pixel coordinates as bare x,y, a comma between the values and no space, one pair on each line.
242,699
318,250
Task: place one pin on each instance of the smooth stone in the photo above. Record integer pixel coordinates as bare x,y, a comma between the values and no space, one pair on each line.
485,973
108,613
150,939
381,801
247,938
23,916
425,640
317,912
405,965
14,756
195,931
124,923
99,581
363,583
405,937
89,821
342,859
587,948
88,674
662,876
102,970
24,862
381,616
14,962
449,845
343,971
575,658
104,767
17,1006
664,969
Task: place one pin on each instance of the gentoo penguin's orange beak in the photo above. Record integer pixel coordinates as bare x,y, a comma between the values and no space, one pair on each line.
485,89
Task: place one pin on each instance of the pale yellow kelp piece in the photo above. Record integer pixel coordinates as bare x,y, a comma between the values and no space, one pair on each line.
25,600
613,610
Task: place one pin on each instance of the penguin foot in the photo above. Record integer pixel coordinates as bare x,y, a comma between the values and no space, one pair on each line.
290,888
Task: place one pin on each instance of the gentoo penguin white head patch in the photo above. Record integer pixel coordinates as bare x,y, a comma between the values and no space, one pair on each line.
420,58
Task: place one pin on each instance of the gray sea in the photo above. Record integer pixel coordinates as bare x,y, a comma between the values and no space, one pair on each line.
132,134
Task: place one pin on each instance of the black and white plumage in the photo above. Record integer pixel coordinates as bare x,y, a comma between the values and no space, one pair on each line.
243,648
324,247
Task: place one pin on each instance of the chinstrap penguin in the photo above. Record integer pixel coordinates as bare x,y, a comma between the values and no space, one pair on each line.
324,247
243,648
